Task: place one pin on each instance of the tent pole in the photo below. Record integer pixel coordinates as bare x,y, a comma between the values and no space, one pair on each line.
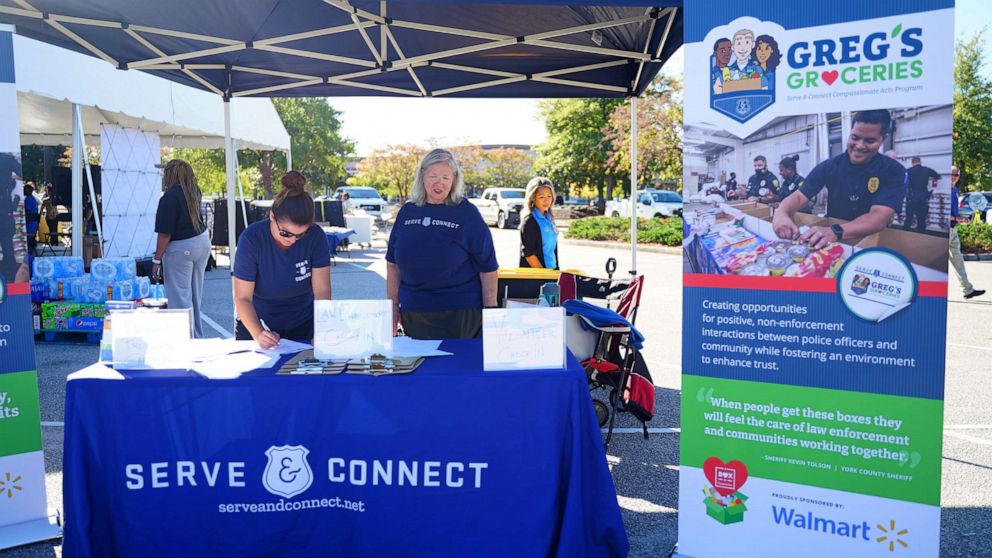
89,178
78,209
232,225
237,174
289,155
633,186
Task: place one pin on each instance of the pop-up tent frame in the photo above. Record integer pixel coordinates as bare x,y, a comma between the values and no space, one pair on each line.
373,48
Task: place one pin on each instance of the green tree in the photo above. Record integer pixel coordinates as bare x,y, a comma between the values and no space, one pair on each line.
319,150
391,169
507,168
659,133
574,156
972,114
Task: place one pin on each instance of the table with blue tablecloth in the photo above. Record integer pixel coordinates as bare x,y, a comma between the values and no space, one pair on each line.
337,236
446,461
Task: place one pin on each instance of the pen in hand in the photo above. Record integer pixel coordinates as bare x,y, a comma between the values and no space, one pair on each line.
274,336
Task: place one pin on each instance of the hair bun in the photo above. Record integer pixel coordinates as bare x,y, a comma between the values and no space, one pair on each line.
795,157
294,180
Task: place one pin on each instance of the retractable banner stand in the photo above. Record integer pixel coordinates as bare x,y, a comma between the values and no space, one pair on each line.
23,505
815,287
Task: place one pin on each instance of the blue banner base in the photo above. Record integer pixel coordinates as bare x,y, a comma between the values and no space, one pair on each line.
30,532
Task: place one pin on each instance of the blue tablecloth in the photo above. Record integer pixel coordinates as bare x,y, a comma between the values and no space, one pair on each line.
335,238
447,461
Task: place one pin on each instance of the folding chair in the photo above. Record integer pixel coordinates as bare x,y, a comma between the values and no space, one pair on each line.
615,363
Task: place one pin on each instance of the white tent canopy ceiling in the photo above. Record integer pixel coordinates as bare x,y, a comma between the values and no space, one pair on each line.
182,116
410,48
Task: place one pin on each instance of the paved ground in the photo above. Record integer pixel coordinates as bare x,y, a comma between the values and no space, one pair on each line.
646,472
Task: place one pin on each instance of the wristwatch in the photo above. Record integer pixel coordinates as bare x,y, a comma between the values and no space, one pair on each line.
838,231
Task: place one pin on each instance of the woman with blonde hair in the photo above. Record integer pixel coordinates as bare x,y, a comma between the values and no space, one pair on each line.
183,245
538,231
441,263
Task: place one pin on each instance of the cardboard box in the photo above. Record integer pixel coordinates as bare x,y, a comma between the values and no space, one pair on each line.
748,84
921,249
729,514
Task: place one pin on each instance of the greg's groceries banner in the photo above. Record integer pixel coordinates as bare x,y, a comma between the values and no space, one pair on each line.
817,161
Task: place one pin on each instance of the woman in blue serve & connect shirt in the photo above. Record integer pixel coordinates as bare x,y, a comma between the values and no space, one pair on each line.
441,263
281,266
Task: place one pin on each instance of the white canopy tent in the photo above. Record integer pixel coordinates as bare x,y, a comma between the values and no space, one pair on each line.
55,84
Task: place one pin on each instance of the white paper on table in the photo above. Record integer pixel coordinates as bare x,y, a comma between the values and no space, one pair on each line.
233,366
152,339
406,347
517,304
523,338
96,372
209,349
352,328
285,347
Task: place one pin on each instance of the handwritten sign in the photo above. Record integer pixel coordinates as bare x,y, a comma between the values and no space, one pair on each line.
144,339
352,328
523,338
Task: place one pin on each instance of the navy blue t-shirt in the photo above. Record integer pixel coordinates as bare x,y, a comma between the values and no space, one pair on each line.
440,251
853,189
283,285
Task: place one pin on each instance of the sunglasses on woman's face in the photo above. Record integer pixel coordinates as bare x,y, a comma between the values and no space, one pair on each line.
287,234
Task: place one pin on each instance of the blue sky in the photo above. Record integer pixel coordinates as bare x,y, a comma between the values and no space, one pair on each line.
377,122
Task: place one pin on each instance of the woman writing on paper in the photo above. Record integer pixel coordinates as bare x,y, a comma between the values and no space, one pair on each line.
441,264
282,264
538,232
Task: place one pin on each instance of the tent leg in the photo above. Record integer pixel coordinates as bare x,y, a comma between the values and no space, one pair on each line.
289,155
232,225
633,186
89,178
78,210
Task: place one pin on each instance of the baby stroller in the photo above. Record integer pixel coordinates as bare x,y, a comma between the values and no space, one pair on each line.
614,362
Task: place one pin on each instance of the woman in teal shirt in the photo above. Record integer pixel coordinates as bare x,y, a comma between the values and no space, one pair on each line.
538,232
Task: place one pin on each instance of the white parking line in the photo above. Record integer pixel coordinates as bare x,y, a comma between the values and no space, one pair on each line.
968,438
970,346
223,332
52,423
641,431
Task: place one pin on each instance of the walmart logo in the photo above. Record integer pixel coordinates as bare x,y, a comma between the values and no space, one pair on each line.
891,536
8,485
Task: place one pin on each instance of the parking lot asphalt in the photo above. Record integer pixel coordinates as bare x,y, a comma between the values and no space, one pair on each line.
645,471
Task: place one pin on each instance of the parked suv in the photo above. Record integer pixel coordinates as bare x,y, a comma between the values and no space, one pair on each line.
362,198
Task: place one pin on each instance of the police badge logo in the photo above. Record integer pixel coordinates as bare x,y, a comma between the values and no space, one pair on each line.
742,73
426,222
873,184
287,473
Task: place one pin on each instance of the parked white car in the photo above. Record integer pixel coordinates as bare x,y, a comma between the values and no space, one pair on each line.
650,203
362,198
501,206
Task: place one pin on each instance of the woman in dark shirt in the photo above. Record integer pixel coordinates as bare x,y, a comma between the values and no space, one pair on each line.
538,232
183,245
282,265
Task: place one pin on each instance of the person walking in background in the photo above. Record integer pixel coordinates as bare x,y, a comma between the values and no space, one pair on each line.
183,245
957,260
50,212
32,216
918,182
538,232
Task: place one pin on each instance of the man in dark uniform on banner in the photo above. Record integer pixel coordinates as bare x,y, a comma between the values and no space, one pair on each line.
862,187
918,182
763,185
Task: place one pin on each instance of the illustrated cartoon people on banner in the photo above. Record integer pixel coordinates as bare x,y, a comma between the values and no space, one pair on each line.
815,308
